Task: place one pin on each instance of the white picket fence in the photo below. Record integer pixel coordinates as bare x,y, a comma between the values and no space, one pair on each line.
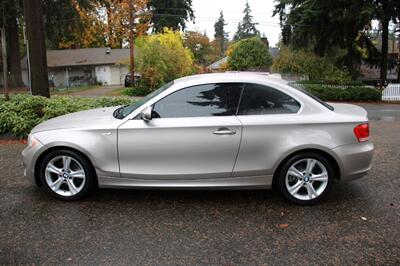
391,92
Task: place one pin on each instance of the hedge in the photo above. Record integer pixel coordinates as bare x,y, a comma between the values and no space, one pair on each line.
340,93
136,91
322,82
23,112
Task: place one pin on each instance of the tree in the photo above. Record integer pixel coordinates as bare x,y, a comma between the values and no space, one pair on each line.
162,58
249,54
63,23
247,28
92,23
203,51
220,35
103,23
172,14
326,26
386,11
12,14
37,50
305,62
117,26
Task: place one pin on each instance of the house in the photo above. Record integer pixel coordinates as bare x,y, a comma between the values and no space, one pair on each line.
76,67
371,74
218,65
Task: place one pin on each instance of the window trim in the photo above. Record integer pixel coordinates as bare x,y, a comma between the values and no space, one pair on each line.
315,98
202,84
274,88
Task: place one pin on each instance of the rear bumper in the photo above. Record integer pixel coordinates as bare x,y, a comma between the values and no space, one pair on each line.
355,159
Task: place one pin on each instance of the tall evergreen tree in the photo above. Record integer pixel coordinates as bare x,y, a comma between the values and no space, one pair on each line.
12,14
247,28
238,32
326,26
171,14
332,24
220,34
37,50
386,11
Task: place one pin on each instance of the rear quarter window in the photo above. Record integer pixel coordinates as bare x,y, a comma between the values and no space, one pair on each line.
259,99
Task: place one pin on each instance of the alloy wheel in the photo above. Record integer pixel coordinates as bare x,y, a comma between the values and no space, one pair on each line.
306,179
65,175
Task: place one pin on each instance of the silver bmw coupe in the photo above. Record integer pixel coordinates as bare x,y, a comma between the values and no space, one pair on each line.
211,131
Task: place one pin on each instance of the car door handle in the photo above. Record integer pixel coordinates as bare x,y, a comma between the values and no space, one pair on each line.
224,131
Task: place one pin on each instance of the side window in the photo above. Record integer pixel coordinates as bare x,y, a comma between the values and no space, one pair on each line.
199,101
259,100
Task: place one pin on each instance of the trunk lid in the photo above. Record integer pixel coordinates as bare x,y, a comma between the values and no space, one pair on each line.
350,110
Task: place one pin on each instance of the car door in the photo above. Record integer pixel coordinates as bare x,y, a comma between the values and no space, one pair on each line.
269,118
193,134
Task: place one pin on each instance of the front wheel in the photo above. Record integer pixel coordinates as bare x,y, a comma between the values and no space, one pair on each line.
305,178
66,175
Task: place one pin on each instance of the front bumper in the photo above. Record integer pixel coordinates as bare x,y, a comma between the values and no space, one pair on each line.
29,157
356,159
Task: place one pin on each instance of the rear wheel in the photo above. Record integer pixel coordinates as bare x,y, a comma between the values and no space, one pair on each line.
66,175
305,178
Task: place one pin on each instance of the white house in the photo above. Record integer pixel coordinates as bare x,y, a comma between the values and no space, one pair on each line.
74,67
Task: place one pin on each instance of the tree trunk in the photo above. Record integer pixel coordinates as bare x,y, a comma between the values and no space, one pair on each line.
38,61
13,51
398,55
384,51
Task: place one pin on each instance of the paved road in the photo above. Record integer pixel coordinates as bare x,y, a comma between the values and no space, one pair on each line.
382,111
357,223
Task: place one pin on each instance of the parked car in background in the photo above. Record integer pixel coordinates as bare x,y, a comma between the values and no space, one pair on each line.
211,131
128,80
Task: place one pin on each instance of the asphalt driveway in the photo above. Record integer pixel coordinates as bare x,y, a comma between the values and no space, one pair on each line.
358,223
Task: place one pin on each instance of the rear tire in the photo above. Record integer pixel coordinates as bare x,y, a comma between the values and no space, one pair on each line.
66,175
305,178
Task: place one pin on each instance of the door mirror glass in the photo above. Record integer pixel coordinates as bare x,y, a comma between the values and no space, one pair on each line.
147,113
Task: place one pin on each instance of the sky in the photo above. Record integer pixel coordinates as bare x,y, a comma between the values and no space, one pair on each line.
207,13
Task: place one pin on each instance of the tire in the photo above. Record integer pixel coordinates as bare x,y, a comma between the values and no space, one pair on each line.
305,187
67,175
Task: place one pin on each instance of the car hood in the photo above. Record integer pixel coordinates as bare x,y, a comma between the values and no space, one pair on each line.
95,118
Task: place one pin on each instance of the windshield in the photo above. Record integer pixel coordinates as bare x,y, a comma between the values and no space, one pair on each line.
124,111
301,89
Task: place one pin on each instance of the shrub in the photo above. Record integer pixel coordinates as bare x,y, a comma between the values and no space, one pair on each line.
140,90
249,54
23,112
307,63
332,82
349,93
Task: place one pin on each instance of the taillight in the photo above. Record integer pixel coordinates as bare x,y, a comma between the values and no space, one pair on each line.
362,132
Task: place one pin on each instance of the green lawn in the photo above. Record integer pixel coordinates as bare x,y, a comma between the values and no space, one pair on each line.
66,90
116,92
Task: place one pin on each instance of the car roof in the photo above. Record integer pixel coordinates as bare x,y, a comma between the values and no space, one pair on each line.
244,77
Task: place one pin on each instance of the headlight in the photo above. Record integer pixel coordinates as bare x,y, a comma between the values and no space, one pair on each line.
32,141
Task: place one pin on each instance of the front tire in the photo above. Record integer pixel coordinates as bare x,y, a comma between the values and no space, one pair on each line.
66,175
305,178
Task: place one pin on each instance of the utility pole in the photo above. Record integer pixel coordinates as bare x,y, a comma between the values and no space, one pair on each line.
37,50
132,41
4,55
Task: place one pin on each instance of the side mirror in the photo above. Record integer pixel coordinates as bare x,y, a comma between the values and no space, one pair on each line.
147,113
